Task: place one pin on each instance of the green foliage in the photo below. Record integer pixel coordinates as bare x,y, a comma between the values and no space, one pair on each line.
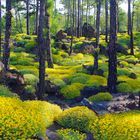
25,120
72,91
30,89
123,71
4,91
102,96
30,45
79,78
122,126
97,81
129,85
124,88
59,82
78,118
30,79
70,134
19,49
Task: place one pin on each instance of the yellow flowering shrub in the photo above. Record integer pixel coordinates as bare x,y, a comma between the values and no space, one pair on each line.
70,134
125,126
25,120
78,118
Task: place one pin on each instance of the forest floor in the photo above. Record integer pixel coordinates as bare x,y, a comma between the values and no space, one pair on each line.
72,86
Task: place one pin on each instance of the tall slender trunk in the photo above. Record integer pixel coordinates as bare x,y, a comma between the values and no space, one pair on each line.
112,76
27,17
6,54
130,28
21,30
41,45
0,30
97,35
36,23
78,26
48,41
129,17
106,19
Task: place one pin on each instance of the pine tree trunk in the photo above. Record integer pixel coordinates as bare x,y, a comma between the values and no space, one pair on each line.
6,54
129,17
0,30
97,35
130,28
27,17
106,19
112,76
48,42
78,26
36,23
41,53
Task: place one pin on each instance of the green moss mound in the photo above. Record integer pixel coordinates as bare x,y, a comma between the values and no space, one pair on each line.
102,96
78,118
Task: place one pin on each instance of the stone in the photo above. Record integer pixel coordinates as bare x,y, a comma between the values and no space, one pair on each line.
133,75
131,105
61,35
88,31
52,135
15,81
50,88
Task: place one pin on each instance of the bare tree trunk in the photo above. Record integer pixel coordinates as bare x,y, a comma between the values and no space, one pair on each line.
36,23
27,17
48,41
130,28
41,45
129,17
0,30
112,76
97,35
6,54
78,26
21,30
106,19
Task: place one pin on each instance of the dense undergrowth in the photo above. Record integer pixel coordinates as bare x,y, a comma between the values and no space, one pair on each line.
25,120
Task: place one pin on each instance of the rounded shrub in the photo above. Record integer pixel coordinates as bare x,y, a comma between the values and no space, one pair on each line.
4,91
102,96
25,120
59,82
30,45
79,78
70,134
30,89
30,79
124,88
123,71
79,118
71,91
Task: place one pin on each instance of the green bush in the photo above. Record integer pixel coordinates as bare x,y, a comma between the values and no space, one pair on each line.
70,134
30,45
79,118
124,63
72,91
30,89
123,71
124,88
30,79
59,82
79,78
19,49
102,96
22,61
4,91
129,85
96,81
